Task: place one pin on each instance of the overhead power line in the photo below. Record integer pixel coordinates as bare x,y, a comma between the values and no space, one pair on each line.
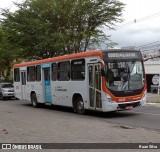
140,20
152,45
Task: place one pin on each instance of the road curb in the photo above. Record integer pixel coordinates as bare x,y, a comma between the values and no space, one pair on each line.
154,104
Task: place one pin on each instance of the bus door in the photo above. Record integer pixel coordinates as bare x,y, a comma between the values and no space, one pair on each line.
95,86
47,85
23,84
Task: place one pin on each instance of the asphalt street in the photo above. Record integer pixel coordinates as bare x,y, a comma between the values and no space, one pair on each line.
20,122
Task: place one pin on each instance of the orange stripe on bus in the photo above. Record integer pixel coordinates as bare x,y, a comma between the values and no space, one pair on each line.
61,58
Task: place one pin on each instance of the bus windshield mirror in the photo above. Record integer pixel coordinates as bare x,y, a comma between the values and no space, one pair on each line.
102,72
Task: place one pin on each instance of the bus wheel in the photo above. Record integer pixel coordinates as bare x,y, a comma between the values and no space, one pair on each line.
34,100
80,106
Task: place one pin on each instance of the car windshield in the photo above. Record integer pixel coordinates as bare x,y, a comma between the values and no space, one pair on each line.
7,85
121,76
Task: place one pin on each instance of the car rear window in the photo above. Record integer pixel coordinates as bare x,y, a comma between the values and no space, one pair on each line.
7,85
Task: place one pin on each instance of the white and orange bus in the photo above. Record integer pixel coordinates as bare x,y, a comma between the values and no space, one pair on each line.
110,80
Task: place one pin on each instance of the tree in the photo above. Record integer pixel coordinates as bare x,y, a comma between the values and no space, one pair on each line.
7,56
47,28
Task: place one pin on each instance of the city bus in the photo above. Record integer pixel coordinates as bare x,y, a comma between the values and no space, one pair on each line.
108,80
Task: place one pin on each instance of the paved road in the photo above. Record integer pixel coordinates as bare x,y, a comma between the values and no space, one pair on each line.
60,125
146,117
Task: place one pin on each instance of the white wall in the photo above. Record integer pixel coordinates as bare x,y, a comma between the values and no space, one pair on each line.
152,67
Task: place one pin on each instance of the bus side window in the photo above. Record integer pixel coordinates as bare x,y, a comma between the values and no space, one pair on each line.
78,69
54,72
31,73
64,71
16,75
38,73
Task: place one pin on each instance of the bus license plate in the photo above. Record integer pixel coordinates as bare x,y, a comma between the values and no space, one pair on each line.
129,107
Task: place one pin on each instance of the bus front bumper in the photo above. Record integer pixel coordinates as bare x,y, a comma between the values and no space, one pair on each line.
114,106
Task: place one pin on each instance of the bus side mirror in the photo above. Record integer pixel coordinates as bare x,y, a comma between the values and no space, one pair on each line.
103,72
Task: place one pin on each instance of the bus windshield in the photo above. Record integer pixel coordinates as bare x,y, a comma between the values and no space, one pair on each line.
124,75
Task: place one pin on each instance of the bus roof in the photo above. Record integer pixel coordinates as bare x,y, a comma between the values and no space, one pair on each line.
61,58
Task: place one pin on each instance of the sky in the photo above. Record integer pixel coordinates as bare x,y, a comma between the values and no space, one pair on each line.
145,30
8,4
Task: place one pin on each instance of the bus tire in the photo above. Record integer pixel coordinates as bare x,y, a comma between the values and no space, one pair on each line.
35,104
80,106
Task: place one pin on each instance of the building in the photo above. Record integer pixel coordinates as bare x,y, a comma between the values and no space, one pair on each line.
152,69
151,55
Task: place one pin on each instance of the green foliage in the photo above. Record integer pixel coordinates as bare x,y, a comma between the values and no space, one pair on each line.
6,56
47,28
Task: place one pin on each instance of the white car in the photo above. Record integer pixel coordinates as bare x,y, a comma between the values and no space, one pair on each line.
6,90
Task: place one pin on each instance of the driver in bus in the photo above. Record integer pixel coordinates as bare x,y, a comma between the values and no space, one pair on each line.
110,77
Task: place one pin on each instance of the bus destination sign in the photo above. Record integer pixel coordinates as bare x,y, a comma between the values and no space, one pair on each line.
122,55
125,55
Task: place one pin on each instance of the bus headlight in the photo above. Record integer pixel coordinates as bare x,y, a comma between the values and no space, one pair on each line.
144,96
109,98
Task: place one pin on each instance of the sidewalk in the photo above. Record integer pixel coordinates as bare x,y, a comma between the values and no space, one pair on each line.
153,99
